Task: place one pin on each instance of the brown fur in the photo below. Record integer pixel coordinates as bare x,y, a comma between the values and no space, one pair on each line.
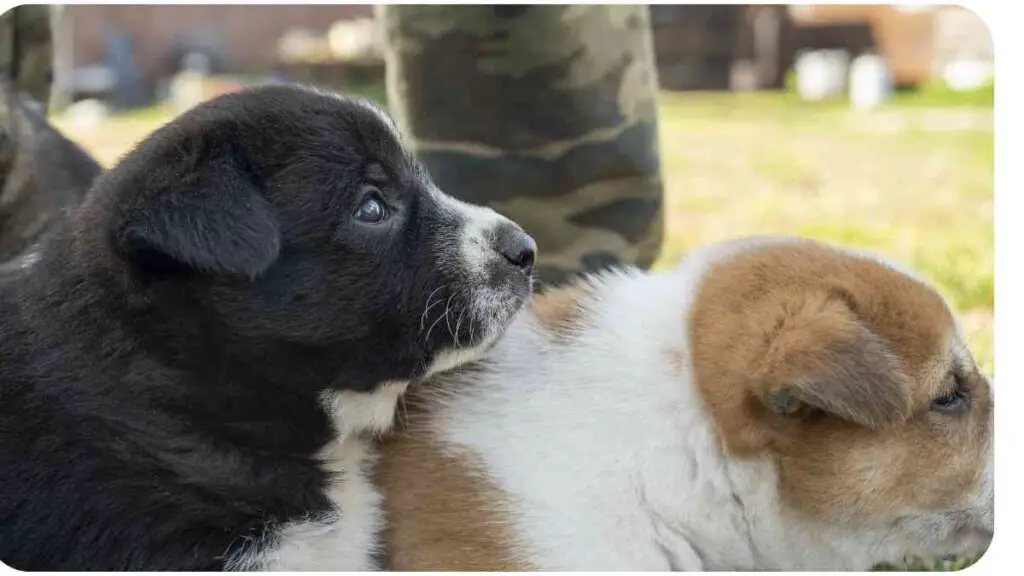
559,309
828,363
443,514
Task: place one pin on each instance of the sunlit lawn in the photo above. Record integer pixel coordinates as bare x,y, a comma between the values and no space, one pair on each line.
913,180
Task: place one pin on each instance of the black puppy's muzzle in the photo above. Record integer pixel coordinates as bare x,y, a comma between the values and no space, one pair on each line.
517,247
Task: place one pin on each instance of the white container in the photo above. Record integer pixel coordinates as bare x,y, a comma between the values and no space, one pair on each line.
821,74
870,82
355,39
967,74
185,90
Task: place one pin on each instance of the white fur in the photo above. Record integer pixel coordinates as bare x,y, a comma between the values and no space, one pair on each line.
609,459
476,253
453,358
22,262
30,259
355,412
348,538
476,250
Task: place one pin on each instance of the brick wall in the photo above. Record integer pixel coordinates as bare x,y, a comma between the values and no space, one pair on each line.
245,36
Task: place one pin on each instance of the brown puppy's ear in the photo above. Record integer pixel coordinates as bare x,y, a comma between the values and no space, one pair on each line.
823,357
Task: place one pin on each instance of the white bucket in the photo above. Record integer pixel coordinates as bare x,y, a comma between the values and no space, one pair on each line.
871,82
821,74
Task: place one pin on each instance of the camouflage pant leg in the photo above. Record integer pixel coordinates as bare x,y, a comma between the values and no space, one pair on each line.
545,113
34,50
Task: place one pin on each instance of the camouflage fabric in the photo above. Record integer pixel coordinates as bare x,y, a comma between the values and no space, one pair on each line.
545,113
34,50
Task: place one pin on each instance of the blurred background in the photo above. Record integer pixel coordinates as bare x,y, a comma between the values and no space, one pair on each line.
869,125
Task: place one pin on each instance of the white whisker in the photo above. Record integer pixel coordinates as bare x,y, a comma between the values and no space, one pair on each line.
428,306
431,329
458,325
447,319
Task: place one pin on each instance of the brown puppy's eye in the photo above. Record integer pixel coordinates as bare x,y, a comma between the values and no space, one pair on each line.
371,211
956,401
950,403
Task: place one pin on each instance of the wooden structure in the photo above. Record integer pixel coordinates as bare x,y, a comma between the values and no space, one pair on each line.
903,36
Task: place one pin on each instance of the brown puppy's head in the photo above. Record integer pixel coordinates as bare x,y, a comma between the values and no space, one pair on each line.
852,377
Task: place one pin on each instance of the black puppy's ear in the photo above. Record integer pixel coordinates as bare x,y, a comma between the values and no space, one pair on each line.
213,220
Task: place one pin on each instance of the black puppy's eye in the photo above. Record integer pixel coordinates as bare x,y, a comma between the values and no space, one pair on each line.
371,211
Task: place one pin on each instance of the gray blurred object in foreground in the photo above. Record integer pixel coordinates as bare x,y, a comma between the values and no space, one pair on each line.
42,173
26,51
544,113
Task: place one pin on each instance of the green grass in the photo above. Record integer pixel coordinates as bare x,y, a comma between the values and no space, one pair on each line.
937,94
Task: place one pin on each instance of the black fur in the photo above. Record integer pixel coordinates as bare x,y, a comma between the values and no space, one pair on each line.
161,364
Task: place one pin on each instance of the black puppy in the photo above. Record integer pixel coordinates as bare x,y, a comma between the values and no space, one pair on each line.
187,370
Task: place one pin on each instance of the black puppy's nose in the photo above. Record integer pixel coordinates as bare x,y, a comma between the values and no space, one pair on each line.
517,247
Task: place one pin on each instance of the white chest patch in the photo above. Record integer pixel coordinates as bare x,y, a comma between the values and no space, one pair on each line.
348,538
355,412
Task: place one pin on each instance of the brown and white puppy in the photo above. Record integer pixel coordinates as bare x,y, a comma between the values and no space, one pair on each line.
772,403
